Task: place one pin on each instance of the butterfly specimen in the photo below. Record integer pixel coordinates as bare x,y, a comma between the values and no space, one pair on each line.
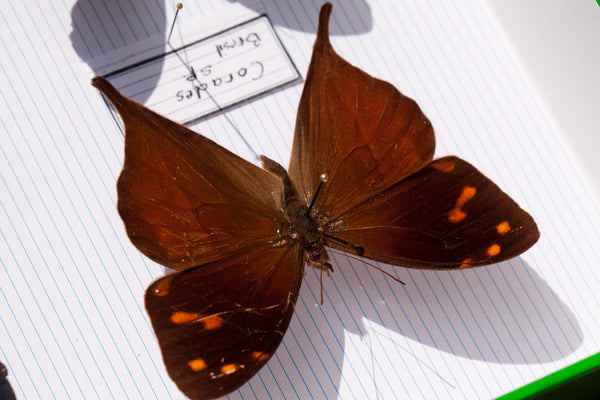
239,236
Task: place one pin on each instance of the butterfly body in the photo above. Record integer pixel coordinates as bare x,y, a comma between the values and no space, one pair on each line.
300,227
239,235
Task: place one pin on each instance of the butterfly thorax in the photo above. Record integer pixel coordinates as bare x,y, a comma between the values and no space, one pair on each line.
299,227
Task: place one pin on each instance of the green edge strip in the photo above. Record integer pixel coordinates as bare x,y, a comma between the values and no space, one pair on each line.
555,378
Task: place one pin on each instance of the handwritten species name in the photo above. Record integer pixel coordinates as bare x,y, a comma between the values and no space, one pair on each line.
205,79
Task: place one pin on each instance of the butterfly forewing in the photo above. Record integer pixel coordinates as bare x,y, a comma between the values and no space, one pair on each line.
219,323
359,130
184,199
447,215
384,199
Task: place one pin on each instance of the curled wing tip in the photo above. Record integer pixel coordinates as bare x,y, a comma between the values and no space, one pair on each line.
103,85
111,93
323,30
98,81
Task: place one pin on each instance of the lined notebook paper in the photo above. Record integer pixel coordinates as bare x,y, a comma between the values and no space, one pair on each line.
72,319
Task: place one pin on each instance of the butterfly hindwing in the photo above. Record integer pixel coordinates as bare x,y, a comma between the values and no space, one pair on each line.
448,215
184,199
219,323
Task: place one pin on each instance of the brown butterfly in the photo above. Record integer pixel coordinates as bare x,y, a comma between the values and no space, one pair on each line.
241,235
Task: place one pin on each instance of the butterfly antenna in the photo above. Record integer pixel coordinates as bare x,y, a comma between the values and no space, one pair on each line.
324,178
357,249
369,264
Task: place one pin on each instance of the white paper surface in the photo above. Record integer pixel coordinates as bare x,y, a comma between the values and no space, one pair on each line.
72,320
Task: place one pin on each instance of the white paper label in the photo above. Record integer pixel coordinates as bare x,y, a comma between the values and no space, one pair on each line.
211,74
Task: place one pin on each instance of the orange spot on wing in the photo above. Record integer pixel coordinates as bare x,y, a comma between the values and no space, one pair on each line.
260,356
467,194
161,287
229,369
197,365
457,214
466,263
503,227
444,165
212,322
182,317
493,250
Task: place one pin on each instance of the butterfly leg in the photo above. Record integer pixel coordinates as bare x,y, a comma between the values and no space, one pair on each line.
323,266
